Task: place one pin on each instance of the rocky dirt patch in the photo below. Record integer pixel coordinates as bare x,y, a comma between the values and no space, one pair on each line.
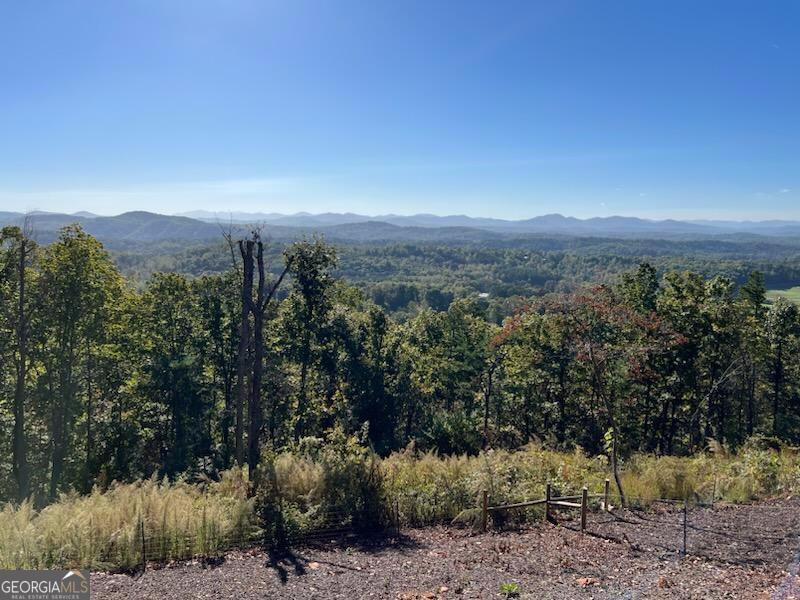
734,552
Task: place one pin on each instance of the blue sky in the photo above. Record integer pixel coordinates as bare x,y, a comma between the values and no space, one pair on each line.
679,109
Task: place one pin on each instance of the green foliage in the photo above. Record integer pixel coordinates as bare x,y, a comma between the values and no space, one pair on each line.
510,590
327,483
640,288
754,292
452,433
403,277
124,383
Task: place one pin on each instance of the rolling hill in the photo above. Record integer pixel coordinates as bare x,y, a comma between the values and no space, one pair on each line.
141,226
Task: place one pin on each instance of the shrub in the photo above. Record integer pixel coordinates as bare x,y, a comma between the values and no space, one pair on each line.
328,483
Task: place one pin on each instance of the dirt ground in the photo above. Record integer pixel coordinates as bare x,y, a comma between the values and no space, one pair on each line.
733,552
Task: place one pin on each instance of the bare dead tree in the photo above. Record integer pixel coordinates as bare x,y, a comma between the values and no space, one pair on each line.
254,408
258,309
246,250
227,235
252,253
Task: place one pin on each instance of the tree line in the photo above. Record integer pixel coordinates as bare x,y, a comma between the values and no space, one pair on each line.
403,277
101,380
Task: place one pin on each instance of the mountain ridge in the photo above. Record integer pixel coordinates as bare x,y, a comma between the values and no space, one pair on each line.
537,224
148,226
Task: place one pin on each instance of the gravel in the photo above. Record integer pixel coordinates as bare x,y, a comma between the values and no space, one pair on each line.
733,552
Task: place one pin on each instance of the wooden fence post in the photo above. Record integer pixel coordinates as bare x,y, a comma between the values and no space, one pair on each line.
584,507
485,511
547,503
144,550
685,515
605,495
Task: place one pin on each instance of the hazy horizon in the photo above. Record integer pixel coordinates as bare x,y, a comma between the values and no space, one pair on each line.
241,214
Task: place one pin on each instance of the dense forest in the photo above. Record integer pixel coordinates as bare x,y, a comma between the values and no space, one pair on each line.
257,346
403,277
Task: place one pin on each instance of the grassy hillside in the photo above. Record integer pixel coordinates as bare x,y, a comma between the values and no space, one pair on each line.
792,294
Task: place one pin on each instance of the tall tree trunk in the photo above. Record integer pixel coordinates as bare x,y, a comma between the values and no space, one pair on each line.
660,428
120,462
305,358
609,405
246,250
614,463
612,421
62,413
20,447
87,469
227,418
751,395
255,409
561,429
777,383
59,445
258,309
227,374
409,428
671,429
487,396
527,414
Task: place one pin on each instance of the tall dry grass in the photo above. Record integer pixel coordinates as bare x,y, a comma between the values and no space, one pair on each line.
754,472
431,488
104,529
312,488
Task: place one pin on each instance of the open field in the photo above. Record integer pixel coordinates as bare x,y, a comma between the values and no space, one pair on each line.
792,294
743,551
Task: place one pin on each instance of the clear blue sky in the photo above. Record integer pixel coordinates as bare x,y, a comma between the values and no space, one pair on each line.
508,109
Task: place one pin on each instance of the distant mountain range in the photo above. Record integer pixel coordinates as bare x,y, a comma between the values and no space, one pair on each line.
134,226
552,223
140,226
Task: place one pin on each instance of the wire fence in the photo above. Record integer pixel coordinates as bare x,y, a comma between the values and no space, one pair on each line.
153,545
682,526
727,532
740,533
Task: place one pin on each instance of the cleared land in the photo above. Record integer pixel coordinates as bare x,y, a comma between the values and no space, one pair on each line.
746,551
792,294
